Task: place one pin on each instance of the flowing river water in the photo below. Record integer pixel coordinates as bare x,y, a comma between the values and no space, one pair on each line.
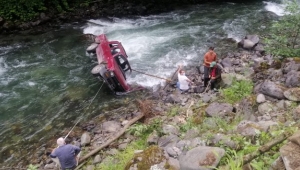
45,79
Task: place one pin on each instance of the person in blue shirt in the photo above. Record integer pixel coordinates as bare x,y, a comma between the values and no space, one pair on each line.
66,154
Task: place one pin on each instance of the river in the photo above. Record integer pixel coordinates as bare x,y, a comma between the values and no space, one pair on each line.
45,79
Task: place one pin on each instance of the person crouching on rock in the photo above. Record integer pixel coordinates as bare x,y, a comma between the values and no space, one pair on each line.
214,75
66,154
183,81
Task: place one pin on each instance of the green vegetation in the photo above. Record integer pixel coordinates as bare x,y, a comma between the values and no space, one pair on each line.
140,130
120,160
237,91
284,37
32,167
26,10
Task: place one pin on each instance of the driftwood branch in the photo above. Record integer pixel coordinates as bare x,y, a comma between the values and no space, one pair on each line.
261,150
265,148
120,133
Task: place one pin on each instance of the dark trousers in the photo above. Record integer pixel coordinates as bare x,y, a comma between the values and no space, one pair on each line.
206,76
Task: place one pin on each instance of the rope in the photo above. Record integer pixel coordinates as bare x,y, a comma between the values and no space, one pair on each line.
82,113
151,75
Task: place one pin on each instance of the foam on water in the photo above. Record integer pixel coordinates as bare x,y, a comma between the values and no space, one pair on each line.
274,7
3,66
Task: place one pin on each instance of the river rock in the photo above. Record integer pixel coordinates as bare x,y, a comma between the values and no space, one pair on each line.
292,94
296,113
219,109
85,139
170,129
295,138
266,125
97,159
200,158
248,128
174,164
266,108
226,62
90,167
290,154
111,126
227,78
168,140
271,89
153,138
292,79
292,65
252,38
260,98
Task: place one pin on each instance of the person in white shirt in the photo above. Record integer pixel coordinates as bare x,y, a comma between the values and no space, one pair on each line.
183,81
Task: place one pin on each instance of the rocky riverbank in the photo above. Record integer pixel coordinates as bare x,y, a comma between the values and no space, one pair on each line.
257,109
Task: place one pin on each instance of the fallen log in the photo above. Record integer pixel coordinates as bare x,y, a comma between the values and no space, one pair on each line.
261,150
265,148
132,121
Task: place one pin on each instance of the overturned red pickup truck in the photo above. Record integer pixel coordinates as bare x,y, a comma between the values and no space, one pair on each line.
112,63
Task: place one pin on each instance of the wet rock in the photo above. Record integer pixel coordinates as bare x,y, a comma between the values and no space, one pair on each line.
271,89
260,98
85,139
111,126
219,109
292,94
201,158
290,154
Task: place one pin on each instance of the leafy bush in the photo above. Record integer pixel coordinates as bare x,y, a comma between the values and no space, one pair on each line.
26,10
237,91
284,37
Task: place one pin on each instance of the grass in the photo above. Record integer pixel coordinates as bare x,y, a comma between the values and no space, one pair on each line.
237,91
120,160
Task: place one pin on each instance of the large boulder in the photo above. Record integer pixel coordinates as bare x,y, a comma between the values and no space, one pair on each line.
272,89
252,38
290,154
292,94
292,65
219,109
201,158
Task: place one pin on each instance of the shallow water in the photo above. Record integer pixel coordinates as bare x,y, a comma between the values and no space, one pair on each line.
45,80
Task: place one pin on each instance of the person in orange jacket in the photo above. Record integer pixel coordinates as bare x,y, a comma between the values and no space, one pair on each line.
209,57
